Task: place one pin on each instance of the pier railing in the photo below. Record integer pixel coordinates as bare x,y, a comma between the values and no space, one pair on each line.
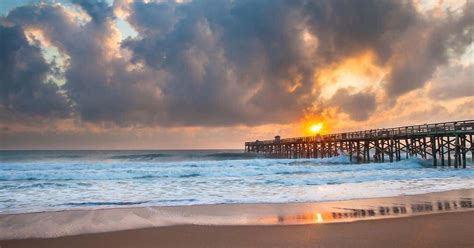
436,140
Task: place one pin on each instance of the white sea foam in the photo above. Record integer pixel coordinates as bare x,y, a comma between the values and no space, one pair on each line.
42,181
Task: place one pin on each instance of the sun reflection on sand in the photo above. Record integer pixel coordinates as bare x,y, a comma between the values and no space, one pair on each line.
319,218
341,214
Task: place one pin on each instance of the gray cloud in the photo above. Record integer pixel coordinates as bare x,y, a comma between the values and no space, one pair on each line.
427,45
228,50
99,84
220,63
98,10
453,82
358,106
227,64
346,27
24,86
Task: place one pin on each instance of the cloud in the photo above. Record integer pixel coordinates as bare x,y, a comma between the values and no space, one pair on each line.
346,27
268,56
25,88
425,46
452,82
225,63
359,106
234,62
98,10
465,109
98,80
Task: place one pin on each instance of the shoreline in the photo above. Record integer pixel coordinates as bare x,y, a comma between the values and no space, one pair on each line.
52,224
453,229
98,208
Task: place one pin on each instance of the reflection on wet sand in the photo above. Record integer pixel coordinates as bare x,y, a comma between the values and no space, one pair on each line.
341,214
72,222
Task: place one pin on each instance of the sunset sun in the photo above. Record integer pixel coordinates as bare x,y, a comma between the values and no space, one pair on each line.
316,128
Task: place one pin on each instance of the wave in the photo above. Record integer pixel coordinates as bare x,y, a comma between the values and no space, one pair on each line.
233,155
223,169
115,203
34,185
142,157
65,156
190,175
341,159
291,172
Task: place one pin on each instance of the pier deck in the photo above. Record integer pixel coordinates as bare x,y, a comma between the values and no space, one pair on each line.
447,143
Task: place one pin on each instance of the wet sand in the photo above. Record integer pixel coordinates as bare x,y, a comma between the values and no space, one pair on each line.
436,230
438,219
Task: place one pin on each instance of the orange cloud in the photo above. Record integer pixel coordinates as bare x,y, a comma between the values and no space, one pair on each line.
359,72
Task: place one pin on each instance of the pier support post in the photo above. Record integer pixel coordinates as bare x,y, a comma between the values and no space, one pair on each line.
434,151
391,150
350,151
441,148
464,150
358,151
456,152
407,148
449,151
471,146
424,147
367,151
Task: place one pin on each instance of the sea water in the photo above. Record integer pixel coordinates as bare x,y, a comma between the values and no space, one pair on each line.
33,181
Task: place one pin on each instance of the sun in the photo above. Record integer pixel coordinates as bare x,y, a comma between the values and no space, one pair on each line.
316,128
313,126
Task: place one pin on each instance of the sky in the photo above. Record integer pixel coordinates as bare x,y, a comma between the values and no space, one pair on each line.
206,74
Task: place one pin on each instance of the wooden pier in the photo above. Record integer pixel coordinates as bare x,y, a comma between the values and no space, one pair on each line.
445,144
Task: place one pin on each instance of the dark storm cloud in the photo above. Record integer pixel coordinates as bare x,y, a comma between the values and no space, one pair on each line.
218,63
358,106
98,83
24,87
210,47
346,27
427,45
229,62
98,10
154,19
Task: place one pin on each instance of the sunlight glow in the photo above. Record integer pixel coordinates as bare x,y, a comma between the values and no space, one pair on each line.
357,73
316,128
313,125
319,218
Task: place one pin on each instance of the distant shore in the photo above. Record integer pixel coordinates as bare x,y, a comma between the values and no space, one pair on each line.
444,217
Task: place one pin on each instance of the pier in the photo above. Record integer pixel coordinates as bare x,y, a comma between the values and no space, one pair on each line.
445,144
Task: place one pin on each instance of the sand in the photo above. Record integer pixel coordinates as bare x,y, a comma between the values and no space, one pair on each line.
442,219
436,230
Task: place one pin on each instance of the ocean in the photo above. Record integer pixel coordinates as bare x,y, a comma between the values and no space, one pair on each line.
35,181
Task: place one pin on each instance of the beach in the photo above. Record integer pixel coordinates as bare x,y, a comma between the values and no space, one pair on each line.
439,230
424,220
214,198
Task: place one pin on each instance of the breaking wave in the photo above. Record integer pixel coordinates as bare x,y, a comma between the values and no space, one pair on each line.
230,155
145,157
112,178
